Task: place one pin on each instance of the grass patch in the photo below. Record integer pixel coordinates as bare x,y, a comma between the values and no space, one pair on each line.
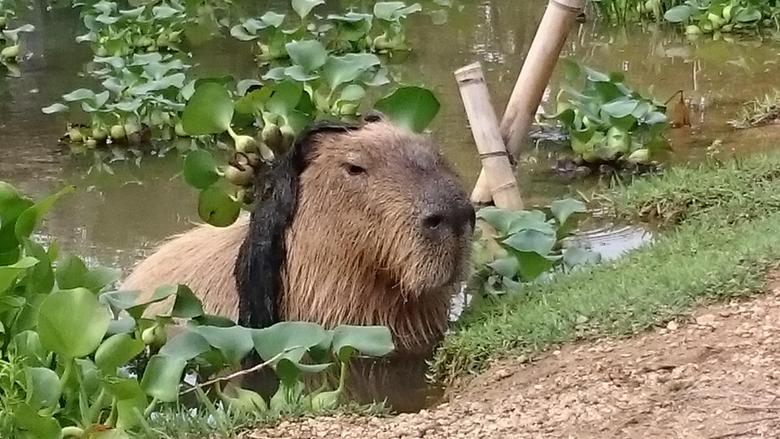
190,423
738,189
710,258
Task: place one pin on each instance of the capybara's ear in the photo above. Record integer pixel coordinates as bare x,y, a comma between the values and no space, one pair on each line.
260,258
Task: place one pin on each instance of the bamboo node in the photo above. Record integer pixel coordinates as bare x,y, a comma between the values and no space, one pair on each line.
486,155
569,5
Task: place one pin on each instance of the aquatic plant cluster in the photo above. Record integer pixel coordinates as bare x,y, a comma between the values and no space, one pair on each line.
606,120
10,50
526,246
696,17
311,67
71,346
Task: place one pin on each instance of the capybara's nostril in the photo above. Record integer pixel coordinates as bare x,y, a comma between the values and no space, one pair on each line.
433,221
455,218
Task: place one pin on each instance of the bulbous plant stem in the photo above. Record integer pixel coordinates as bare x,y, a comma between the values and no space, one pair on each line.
72,431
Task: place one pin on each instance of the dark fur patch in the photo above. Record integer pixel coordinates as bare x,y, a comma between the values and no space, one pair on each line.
260,258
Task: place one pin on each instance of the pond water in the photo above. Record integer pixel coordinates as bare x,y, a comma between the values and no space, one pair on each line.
114,219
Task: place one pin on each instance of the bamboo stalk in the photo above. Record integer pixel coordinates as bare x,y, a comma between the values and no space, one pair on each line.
487,135
532,80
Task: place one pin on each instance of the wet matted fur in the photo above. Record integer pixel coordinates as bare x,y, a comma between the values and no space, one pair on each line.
360,224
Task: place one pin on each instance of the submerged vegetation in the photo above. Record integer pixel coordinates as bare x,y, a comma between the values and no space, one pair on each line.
70,346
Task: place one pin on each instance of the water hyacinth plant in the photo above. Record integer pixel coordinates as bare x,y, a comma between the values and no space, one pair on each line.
152,27
143,95
263,122
70,345
724,16
322,69
525,245
381,31
10,48
607,121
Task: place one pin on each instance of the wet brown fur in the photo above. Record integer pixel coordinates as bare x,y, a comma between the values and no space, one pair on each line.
354,252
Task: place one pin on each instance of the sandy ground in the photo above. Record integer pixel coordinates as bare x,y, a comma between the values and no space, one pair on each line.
715,375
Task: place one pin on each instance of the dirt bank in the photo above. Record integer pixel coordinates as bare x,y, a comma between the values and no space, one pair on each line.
714,375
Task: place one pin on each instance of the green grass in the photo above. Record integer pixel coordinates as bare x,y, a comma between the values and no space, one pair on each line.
727,238
739,189
203,423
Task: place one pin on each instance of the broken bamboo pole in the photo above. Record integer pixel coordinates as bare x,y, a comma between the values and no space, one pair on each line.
487,135
532,81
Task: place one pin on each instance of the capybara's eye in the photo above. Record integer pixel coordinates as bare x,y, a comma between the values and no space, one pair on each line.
354,169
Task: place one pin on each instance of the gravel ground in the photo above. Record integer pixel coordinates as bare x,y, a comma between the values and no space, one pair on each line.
714,375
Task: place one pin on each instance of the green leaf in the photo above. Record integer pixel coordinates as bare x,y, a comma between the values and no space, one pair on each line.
218,208
530,240
31,217
678,14
116,351
185,346
291,339
304,7
9,273
234,343
187,304
532,264
54,108
373,341
162,377
208,111
352,92
72,323
530,220
393,11
81,94
41,279
27,344
498,218
309,54
748,15
200,169
272,19
411,107
507,267
160,294
286,96
340,70
35,425
43,387
119,299
130,409
563,209
620,108
73,273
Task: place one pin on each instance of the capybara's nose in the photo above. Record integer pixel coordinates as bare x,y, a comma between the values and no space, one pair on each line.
458,218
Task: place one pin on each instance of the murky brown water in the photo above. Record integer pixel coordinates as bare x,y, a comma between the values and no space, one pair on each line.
114,218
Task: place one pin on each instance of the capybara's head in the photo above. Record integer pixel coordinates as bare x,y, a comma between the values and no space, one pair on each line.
363,224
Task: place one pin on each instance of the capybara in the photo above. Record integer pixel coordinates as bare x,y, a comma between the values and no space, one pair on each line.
358,223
